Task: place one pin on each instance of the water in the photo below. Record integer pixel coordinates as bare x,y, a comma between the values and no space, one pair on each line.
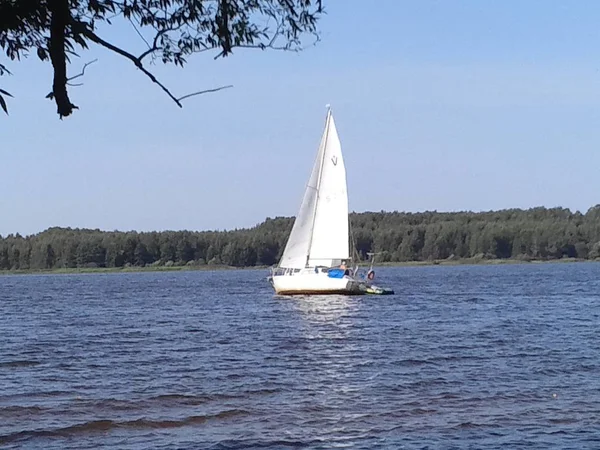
461,357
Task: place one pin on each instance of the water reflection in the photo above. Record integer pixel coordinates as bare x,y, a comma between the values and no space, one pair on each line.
324,308
329,329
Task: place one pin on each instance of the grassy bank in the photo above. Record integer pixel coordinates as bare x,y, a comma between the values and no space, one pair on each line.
480,261
134,269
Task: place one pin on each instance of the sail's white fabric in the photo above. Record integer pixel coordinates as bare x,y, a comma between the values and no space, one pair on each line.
330,229
319,235
296,250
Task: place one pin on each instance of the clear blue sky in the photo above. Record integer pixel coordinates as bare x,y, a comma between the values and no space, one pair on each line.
463,105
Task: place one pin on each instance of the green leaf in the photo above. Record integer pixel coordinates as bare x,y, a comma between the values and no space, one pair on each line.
42,54
3,104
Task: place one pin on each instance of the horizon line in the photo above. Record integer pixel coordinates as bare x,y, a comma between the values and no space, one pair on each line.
247,228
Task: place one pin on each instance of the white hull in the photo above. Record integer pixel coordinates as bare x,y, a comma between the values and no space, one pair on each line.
311,283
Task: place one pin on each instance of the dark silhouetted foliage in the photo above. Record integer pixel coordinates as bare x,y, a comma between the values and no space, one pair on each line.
172,30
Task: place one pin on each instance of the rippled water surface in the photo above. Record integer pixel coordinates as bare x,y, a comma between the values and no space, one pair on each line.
461,357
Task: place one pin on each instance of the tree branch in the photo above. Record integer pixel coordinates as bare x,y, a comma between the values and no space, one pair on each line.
271,44
155,47
137,61
179,29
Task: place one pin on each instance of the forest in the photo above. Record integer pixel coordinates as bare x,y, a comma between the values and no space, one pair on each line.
533,234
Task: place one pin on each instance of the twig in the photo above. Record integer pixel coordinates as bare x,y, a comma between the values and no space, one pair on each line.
68,82
82,72
206,91
139,33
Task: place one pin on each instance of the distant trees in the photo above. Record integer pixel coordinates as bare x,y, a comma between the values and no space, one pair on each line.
538,233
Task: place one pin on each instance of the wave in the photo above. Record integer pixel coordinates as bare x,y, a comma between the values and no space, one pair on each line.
105,425
19,363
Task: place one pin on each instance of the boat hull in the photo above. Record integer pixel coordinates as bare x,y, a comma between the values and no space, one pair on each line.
315,284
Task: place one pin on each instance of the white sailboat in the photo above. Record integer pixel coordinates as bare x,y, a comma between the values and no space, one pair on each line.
317,251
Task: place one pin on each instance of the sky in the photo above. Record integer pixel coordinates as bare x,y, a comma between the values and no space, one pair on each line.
446,106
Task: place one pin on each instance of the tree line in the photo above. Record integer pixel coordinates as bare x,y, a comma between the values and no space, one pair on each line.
533,234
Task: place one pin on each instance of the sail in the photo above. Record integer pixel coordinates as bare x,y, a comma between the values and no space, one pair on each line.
296,250
319,235
329,243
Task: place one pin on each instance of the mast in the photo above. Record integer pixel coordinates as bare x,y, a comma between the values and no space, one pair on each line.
314,216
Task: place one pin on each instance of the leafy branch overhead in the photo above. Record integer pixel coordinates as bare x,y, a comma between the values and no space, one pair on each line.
4,70
171,30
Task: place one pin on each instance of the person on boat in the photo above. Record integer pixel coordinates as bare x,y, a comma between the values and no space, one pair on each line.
344,268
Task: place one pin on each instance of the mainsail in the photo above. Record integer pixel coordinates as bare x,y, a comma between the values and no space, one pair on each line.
320,232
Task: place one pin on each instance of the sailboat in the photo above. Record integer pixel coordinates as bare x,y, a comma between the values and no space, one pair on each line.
317,252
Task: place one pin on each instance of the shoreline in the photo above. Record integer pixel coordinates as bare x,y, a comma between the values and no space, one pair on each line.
483,262
211,268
